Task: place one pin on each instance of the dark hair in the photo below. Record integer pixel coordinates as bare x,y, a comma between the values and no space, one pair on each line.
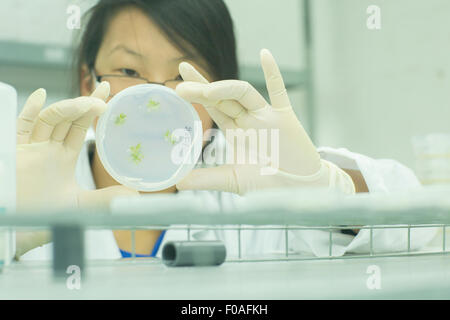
196,27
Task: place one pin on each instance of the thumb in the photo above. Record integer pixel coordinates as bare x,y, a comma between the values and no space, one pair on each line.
222,178
100,199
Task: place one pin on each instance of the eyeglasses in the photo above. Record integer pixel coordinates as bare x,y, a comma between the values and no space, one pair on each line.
120,82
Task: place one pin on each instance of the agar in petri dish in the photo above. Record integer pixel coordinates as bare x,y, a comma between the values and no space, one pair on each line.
149,138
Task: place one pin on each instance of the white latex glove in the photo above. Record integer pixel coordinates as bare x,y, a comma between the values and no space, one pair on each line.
234,104
48,146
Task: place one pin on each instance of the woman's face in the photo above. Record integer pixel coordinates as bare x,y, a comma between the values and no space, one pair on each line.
134,46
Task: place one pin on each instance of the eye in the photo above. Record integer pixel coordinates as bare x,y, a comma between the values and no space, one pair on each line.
129,72
178,78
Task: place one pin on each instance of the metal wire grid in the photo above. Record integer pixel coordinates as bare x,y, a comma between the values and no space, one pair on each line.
299,257
331,220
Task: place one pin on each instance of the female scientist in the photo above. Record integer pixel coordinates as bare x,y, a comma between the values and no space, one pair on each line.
130,42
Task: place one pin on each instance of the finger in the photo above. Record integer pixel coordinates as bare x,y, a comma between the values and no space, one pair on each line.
29,114
189,73
241,91
102,91
60,112
274,81
61,130
231,108
193,92
222,120
77,133
221,178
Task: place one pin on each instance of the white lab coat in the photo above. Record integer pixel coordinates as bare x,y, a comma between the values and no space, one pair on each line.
380,176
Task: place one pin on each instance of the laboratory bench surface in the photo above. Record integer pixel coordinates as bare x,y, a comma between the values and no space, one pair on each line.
408,277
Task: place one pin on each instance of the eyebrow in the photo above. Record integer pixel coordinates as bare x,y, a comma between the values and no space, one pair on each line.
183,58
139,55
126,49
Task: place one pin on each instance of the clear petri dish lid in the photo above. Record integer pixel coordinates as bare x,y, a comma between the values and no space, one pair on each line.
149,138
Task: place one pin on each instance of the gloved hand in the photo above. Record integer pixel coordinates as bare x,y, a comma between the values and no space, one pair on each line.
234,104
48,146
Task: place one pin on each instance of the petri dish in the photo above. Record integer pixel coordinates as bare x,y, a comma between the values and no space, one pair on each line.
149,138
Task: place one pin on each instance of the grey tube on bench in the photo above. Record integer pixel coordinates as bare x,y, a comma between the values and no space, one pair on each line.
193,253
68,250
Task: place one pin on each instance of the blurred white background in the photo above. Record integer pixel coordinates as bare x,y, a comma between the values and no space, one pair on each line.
373,89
